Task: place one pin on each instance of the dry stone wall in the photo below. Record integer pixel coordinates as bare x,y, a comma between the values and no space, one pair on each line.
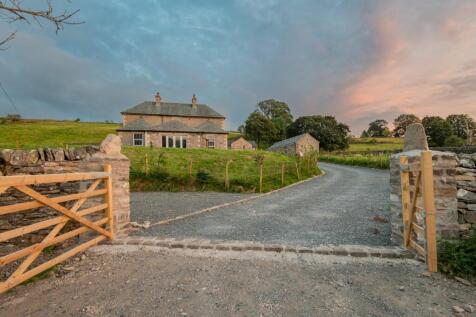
466,195
455,192
58,160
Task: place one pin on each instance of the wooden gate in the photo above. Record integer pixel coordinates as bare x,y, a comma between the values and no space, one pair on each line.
419,221
101,185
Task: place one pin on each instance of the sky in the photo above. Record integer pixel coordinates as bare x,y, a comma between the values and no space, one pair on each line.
356,60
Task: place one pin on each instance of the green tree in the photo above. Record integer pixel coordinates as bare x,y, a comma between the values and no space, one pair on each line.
331,134
260,129
462,125
378,128
279,113
454,141
402,122
364,134
437,130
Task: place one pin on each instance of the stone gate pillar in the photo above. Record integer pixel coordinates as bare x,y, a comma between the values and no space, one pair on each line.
444,172
110,153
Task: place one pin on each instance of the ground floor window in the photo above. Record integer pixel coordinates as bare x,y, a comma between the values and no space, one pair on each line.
211,143
138,139
174,141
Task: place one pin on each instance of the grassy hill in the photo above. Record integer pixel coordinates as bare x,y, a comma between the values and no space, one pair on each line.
50,133
169,169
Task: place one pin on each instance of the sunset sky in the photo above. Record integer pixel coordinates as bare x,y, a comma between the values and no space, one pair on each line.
356,60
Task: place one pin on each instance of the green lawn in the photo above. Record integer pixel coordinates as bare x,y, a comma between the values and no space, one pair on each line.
169,169
48,133
375,144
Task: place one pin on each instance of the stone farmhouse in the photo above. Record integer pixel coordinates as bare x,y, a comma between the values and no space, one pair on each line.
299,145
173,125
242,144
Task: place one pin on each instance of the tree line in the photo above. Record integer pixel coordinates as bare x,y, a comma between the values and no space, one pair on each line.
455,130
272,121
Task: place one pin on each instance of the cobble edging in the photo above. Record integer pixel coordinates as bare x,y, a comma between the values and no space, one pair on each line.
219,245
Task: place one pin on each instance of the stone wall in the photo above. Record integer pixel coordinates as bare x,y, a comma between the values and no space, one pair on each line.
466,195
50,161
455,193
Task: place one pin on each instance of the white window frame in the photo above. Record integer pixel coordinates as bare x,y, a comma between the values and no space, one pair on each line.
212,141
136,138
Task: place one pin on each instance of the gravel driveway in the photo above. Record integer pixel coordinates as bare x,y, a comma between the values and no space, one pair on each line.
338,208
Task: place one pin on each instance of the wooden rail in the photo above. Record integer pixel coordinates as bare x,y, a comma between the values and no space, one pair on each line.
22,183
423,190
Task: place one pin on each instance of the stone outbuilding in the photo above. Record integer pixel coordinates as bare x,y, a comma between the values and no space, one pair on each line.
300,145
173,125
241,144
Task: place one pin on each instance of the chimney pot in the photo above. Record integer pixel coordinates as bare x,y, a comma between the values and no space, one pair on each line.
194,101
157,98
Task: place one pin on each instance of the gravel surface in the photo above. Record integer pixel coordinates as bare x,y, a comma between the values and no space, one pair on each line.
349,205
155,206
133,282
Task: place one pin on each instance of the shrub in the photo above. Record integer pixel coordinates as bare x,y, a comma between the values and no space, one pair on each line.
203,176
454,141
458,257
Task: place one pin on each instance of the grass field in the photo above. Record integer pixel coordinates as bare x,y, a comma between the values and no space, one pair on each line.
375,144
49,133
370,160
169,169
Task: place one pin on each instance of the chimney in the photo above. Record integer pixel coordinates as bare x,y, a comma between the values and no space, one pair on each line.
157,99
194,101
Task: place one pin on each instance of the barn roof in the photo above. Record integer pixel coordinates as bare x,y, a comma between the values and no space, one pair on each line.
287,142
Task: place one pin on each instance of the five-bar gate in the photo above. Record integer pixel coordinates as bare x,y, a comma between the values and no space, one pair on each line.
101,185
419,220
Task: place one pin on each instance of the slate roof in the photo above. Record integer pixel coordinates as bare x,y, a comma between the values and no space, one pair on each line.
286,142
173,109
253,143
171,126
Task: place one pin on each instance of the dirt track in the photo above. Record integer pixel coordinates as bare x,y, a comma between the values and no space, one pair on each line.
127,281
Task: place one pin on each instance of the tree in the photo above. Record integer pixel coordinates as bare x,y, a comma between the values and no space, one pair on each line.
260,129
454,141
364,134
332,135
14,11
462,125
378,128
437,130
279,113
402,122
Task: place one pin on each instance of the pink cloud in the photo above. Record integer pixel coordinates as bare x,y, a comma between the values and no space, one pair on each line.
424,68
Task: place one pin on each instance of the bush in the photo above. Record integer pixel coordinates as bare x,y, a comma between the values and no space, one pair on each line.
454,141
458,258
203,176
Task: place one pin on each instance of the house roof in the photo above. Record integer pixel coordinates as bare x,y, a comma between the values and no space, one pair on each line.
287,142
172,126
173,109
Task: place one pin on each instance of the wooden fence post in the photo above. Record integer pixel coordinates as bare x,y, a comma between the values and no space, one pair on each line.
110,211
190,168
429,207
261,177
297,171
227,177
282,173
146,165
405,186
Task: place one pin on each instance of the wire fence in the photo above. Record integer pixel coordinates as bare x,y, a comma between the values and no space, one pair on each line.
257,173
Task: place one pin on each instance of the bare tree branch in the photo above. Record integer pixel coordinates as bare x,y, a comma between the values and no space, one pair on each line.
14,11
